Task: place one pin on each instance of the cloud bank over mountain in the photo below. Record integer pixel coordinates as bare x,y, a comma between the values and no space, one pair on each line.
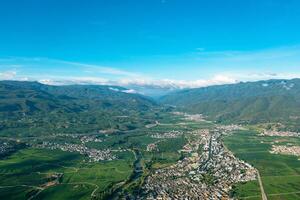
192,70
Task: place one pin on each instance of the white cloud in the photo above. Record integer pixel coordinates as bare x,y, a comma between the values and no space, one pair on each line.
168,83
219,79
160,83
8,75
256,76
130,91
99,69
180,84
40,66
65,80
208,68
114,89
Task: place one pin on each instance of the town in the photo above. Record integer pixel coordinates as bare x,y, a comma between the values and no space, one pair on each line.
5,148
285,150
280,133
207,171
94,155
170,134
9,146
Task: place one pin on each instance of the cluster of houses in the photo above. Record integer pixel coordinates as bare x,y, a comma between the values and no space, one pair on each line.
89,138
286,150
152,147
225,129
195,117
190,117
5,148
280,133
208,170
83,138
167,135
94,155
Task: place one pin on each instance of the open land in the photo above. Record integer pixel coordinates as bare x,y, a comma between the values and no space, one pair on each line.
279,173
181,156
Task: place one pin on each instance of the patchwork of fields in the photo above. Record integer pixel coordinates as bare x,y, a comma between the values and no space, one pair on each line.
27,172
37,173
40,173
280,173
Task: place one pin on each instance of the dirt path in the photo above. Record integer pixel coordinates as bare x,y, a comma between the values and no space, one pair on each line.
263,194
83,183
286,193
12,186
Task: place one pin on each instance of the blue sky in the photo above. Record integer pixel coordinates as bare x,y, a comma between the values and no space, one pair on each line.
188,43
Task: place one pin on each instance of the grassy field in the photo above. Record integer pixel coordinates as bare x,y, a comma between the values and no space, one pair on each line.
23,172
280,173
249,190
63,191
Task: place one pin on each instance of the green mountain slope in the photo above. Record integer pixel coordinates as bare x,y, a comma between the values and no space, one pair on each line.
251,102
31,107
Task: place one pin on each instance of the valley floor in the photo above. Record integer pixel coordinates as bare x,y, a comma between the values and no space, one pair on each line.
178,157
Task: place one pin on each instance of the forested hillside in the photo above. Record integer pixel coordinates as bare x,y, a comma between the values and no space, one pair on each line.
251,102
31,107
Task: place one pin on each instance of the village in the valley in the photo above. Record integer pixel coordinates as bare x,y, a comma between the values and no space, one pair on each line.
94,155
208,171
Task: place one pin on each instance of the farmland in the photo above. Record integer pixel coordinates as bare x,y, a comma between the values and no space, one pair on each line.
39,171
28,172
280,173
35,172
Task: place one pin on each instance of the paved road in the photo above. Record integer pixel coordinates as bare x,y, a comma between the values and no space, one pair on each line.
209,155
263,194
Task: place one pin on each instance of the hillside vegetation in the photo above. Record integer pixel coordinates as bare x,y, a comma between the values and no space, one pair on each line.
32,108
251,102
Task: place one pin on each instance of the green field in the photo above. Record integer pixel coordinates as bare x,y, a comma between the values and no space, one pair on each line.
249,190
64,191
25,171
280,173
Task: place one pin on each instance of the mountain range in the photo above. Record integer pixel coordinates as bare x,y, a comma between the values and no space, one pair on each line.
246,102
33,108
76,108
